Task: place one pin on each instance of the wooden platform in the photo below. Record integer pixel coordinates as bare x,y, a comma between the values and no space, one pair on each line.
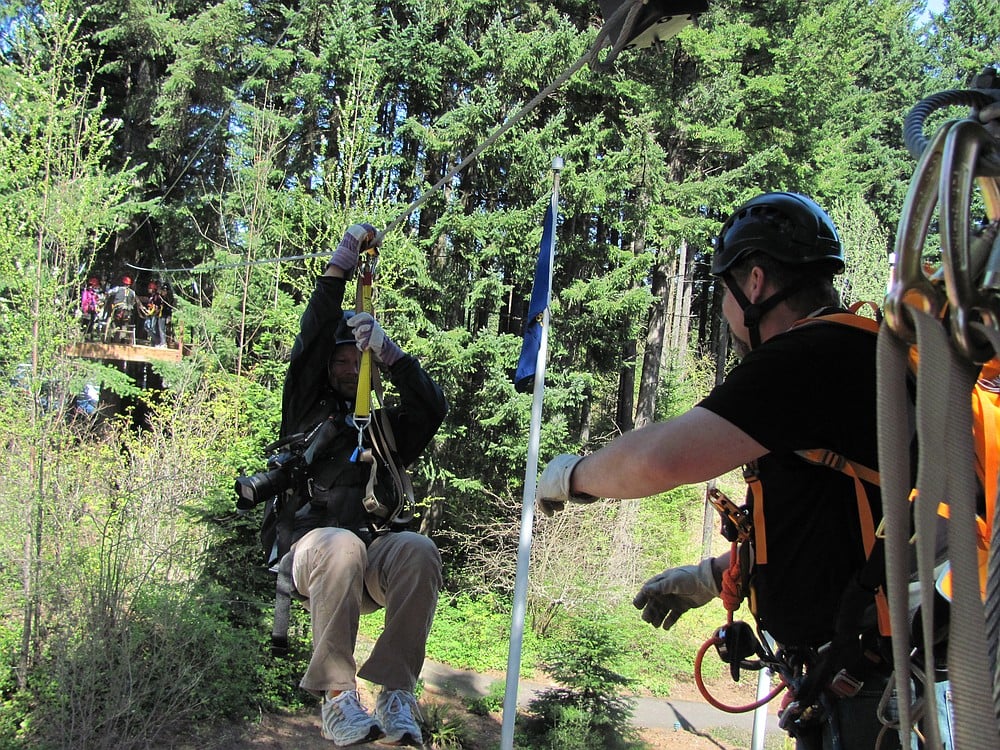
126,352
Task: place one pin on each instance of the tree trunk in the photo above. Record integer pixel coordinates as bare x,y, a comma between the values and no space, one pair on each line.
626,387
680,307
656,327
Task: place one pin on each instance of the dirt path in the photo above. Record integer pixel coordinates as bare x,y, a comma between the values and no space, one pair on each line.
682,722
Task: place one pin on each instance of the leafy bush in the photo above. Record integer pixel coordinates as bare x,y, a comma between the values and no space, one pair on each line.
131,678
474,634
442,727
489,703
589,712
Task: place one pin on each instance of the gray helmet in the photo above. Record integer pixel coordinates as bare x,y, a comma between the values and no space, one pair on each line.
789,227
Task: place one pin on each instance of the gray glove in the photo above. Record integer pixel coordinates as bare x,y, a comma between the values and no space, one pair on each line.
990,117
369,335
358,237
553,486
664,598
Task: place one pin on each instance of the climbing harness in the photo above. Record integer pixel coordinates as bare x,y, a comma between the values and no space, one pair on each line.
952,316
809,674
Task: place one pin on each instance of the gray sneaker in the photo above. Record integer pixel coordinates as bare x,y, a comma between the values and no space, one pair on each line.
346,722
397,712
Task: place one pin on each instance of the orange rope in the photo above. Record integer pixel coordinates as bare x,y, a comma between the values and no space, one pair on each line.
732,593
732,596
715,641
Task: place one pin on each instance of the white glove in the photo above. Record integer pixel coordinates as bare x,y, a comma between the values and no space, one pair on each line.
369,335
664,598
358,237
553,486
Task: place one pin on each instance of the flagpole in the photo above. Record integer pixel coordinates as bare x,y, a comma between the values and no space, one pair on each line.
528,500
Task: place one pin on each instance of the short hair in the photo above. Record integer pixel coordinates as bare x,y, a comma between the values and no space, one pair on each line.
815,282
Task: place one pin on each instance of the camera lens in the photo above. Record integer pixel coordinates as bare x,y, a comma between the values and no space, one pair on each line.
257,488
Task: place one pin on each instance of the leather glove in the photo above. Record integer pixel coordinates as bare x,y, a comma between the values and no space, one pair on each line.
664,598
358,237
369,335
553,486
990,117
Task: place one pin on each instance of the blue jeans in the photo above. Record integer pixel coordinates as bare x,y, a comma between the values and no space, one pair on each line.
856,720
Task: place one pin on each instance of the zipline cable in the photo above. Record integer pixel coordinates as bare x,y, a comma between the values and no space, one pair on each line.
629,10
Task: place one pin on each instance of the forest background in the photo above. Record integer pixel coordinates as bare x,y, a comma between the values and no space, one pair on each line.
138,136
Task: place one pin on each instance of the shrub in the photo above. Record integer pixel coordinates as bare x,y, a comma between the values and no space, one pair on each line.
589,712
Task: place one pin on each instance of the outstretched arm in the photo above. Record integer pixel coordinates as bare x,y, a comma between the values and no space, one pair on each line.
697,446
694,447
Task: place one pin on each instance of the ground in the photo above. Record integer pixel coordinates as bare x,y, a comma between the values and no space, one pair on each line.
301,731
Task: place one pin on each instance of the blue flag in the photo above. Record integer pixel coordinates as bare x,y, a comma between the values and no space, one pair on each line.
541,290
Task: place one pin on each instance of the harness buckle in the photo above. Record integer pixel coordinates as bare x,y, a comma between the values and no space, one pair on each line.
737,526
844,685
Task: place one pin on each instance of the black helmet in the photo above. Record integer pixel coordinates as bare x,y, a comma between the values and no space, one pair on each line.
344,333
789,227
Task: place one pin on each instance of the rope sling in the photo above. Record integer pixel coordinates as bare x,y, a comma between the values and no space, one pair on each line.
953,317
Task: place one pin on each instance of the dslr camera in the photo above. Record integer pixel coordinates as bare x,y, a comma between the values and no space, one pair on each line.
288,457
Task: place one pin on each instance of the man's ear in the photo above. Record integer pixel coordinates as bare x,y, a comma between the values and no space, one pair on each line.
758,280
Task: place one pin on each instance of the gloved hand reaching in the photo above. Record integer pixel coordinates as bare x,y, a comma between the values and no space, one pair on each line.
664,598
358,237
369,335
553,486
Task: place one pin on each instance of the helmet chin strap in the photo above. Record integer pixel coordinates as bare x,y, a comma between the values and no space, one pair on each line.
753,312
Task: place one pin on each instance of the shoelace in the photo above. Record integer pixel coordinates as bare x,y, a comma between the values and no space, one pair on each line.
398,699
350,703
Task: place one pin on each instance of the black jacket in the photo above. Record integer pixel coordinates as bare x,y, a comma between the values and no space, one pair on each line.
333,494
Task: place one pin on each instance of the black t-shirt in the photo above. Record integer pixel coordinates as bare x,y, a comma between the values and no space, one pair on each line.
810,387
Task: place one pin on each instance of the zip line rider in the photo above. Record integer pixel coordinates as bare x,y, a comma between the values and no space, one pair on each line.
795,388
349,558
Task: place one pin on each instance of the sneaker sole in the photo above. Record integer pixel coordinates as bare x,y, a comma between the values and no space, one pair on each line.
406,740
374,733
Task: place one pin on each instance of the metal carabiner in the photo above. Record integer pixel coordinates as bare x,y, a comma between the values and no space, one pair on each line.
964,256
909,285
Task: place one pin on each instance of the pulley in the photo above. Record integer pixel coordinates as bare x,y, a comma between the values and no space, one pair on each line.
654,22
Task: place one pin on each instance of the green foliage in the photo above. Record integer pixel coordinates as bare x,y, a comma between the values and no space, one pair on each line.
589,712
866,249
232,133
443,728
473,634
492,702
114,675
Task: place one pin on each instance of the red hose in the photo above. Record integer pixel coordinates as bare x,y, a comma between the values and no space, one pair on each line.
715,641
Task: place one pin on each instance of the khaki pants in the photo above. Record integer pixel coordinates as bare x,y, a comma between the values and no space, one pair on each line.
400,571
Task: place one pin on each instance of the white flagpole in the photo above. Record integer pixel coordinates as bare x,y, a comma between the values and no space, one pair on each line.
528,500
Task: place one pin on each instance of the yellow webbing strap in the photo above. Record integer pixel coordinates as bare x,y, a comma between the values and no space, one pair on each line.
366,278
